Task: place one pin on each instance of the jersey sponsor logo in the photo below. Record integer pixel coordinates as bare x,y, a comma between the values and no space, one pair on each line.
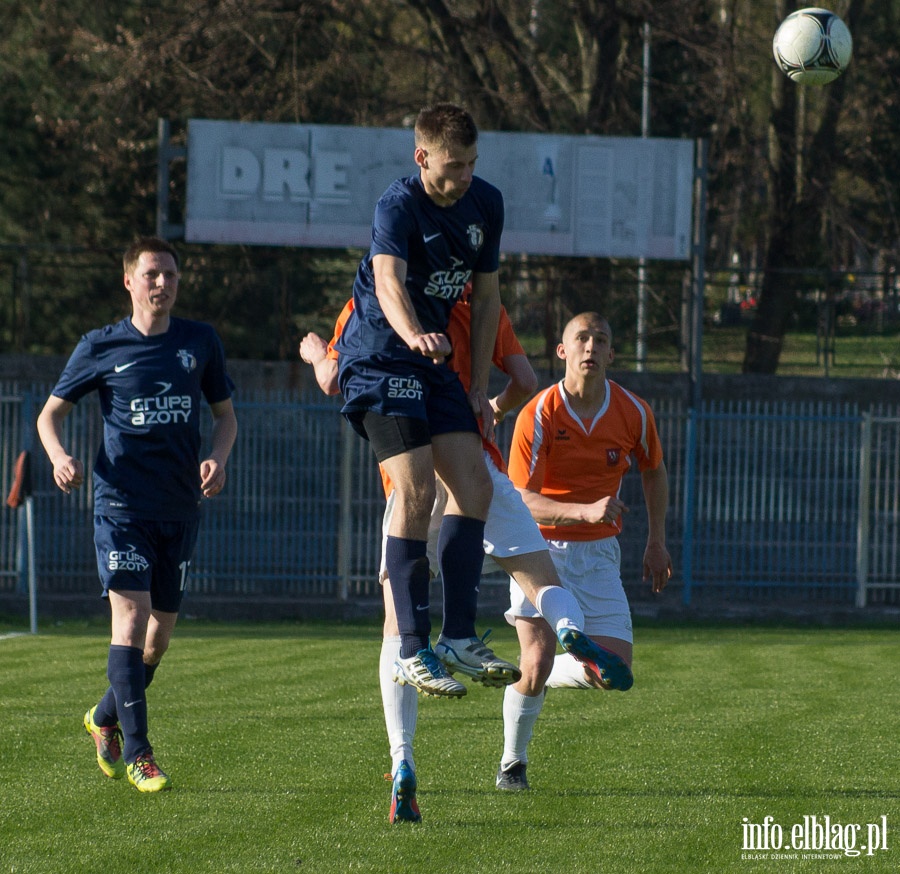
128,559
448,284
162,408
475,235
187,359
120,367
612,457
404,387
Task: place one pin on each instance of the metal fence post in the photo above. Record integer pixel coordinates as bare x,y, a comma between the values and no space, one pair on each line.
345,534
690,506
863,519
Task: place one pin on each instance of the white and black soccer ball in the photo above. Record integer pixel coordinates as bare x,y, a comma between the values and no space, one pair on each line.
812,46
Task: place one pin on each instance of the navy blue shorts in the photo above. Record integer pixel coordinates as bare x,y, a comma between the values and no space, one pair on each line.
140,555
427,391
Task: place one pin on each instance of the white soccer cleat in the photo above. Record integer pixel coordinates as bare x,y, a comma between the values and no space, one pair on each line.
426,674
472,657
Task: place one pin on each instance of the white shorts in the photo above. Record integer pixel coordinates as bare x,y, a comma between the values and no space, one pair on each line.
590,570
509,529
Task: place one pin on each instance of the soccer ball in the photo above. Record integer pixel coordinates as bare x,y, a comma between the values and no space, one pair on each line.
812,46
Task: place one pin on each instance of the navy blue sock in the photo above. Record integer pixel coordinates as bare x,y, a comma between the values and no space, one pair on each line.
406,562
106,713
127,678
461,556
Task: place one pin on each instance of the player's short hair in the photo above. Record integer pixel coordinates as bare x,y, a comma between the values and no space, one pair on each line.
588,317
147,244
444,125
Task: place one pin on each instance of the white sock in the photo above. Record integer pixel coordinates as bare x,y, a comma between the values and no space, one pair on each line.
567,673
560,608
520,713
401,706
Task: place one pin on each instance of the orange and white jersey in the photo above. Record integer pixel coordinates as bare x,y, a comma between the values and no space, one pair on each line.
556,453
458,332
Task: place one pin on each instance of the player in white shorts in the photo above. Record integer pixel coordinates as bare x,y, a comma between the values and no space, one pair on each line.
572,445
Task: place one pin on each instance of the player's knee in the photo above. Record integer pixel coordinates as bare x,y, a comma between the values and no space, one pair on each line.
153,653
475,499
536,663
415,502
486,491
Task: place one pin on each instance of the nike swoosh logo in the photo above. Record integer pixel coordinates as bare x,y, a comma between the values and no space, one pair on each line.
120,367
132,703
422,608
431,237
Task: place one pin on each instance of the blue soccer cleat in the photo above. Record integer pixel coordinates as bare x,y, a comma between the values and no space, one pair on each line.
602,666
403,796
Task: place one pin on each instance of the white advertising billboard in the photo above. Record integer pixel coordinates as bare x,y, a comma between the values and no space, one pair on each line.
317,185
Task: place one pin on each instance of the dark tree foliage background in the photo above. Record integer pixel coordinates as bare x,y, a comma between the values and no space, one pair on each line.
803,183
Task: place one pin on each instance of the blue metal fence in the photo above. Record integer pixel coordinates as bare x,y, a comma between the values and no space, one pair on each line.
768,500
774,498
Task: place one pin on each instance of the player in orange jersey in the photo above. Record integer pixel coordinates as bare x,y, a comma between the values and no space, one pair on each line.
572,445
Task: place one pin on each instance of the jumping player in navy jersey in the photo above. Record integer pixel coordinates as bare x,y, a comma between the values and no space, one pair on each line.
150,371
433,233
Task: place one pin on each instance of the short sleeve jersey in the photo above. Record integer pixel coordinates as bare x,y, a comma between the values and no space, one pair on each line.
150,388
556,453
442,247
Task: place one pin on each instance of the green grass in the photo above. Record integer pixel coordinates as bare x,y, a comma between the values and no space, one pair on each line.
273,735
857,354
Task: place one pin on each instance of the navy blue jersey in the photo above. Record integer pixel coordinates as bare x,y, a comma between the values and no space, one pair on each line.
150,389
442,247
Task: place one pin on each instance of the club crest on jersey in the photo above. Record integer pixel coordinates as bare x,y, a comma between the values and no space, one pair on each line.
476,236
187,360
612,457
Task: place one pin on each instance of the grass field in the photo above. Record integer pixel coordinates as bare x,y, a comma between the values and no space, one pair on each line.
274,738
856,354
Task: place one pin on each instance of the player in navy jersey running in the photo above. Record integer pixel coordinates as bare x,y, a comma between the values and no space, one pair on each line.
150,371
433,233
